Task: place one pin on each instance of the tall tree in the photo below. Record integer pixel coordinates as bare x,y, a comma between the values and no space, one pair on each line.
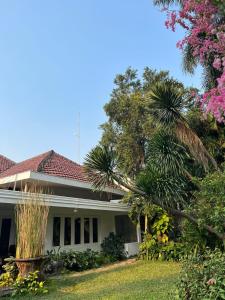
129,126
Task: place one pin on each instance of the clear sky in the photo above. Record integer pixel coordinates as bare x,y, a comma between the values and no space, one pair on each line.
59,58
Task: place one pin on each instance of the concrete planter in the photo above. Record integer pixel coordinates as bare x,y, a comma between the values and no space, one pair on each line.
27,265
6,291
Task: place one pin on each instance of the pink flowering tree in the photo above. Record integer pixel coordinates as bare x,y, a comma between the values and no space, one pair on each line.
204,43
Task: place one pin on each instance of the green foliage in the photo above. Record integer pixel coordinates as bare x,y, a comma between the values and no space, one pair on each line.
6,279
53,263
113,246
162,189
29,285
80,261
202,277
129,125
11,267
166,154
10,273
100,165
161,227
208,207
151,249
156,244
195,239
211,133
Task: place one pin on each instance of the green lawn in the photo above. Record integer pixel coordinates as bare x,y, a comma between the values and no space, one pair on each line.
137,280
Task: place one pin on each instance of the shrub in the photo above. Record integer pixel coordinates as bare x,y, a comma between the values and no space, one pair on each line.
11,267
202,277
6,280
79,261
53,263
10,273
113,247
75,261
156,244
29,285
152,249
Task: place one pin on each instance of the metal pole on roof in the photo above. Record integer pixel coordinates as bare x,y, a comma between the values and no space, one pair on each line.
77,135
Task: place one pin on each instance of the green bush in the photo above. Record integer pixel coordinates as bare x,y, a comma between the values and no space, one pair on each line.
11,267
6,280
113,247
80,261
10,272
156,244
29,285
152,249
203,277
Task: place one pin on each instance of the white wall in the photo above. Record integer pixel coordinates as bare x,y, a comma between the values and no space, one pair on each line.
106,224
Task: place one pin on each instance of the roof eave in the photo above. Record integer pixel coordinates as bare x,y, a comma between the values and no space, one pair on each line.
55,180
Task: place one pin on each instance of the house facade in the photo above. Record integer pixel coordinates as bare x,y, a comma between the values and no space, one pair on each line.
79,218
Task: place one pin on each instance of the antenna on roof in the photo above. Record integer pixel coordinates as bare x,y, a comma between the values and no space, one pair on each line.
77,136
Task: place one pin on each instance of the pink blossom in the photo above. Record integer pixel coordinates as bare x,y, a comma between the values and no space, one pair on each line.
217,63
207,39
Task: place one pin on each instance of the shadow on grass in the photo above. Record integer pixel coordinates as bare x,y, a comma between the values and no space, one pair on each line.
137,281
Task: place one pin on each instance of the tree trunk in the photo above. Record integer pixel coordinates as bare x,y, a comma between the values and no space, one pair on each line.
146,223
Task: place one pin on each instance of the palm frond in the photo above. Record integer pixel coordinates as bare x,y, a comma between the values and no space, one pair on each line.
167,103
195,145
100,165
162,189
166,154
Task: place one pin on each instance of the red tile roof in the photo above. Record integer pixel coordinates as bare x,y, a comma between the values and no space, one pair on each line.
49,163
5,163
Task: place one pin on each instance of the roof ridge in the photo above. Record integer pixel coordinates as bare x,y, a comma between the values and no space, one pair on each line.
74,162
45,160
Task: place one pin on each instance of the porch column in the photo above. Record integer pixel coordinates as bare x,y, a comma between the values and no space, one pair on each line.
138,230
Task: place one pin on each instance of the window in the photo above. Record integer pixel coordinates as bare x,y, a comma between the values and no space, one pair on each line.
77,231
86,230
95,230
56,231
67,231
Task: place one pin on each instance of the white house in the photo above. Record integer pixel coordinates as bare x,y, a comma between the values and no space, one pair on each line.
79,218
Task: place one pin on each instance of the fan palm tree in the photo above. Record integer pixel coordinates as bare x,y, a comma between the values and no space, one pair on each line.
167,103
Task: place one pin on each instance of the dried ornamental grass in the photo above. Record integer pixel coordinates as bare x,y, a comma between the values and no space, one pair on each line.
31,224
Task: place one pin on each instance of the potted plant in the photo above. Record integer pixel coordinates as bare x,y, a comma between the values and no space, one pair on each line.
31,223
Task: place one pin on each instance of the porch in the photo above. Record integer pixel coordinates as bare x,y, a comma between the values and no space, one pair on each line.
73,223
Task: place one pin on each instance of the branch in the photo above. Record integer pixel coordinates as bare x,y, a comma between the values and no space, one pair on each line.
174,212
210,229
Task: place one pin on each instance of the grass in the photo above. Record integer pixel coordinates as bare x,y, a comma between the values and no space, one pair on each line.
136,280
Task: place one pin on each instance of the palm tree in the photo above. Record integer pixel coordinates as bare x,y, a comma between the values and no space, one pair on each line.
167,103
163,191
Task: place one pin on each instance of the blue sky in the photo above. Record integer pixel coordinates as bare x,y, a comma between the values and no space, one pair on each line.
59,58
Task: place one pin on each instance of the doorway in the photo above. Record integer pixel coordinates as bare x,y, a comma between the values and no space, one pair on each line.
5,236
